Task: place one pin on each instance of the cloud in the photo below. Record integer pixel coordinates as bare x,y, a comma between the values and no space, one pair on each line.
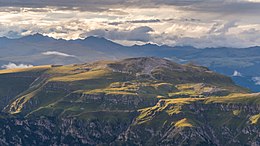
145,21
237,74
57,54
93,3
219,28
226,7
13,65
136,21
256,80
105,5
83,5
199,23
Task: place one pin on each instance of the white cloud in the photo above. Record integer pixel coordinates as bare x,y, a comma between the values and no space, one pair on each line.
255,1
237,74
229,23
256,80
57,54
13,65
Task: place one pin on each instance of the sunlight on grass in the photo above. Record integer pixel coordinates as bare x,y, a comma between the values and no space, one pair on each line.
236,98
254,119
183,123
82,76
236,112
17,70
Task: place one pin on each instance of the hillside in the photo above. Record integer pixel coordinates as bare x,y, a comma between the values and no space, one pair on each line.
135,101
38,50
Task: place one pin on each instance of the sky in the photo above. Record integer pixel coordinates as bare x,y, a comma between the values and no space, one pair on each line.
199,23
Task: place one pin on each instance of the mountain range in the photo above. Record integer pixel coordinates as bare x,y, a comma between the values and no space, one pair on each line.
242,64
133,101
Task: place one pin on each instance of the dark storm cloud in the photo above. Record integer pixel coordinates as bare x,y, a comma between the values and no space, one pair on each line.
85,5
224,6
95,5
145,21
155,21
88,3
227,7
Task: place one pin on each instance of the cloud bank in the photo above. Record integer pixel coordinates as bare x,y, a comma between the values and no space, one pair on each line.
199,23
11,65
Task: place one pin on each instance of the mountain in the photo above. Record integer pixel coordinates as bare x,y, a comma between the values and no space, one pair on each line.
134,101
39,50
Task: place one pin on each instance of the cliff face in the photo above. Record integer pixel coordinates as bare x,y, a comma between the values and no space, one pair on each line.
62,131
195,125
136,101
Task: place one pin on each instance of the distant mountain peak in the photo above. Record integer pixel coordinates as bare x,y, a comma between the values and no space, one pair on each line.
37,37
96,38
98,41
146,45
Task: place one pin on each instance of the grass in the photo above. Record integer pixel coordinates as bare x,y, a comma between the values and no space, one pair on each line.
182,101
254,119
174,89
183,123
94,92
30,69
63,70
18,104
10,87
150,89
82,76
107,91
15,82
166,109
236,112
170,107
116,88
236,98
198,90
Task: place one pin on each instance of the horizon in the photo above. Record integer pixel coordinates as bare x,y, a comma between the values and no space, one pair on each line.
127,45
229,23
